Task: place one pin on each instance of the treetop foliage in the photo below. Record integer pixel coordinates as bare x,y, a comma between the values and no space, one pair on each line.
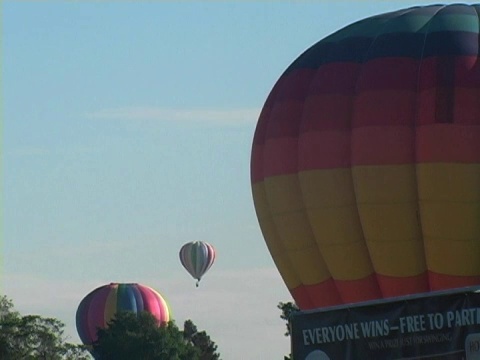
34,337
130,337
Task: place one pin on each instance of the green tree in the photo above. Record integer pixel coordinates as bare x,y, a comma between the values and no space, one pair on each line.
287,309
34,337
200,340
129,336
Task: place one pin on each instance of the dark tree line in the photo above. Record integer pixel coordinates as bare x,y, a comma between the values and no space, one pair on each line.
34,337
128,337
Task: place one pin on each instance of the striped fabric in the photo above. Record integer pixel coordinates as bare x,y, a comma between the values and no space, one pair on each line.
197,257
365,164
100,306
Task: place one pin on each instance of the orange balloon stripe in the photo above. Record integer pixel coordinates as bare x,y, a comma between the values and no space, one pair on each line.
443,281
334,145
398,286
370,146
324,294
302,298
358,290
396,105
370,108
314,296
282,155
325,112
382,145
448,143
256,164
321,295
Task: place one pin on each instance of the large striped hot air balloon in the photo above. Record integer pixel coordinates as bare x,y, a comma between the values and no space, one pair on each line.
365,164
99,307
197,257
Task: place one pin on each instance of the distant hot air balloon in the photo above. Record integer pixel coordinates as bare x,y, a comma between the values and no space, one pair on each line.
365,163
99,307
197,257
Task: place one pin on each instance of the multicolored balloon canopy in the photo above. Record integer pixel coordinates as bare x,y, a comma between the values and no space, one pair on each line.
100,306
197,257
365,165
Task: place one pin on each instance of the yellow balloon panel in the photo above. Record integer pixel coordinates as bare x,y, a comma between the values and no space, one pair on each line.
385,184
310,265
449,197
398,259
448,182
348,261
327,188
272,239
333,215
387,205
459,258
288,233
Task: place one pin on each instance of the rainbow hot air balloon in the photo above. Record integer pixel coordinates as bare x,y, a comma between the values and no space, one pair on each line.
365,163
100,306
197,257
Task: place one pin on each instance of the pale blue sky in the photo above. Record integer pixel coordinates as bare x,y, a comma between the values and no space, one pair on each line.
127,130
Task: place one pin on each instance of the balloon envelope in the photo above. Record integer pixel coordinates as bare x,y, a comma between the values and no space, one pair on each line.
100,306
365,163
197,257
